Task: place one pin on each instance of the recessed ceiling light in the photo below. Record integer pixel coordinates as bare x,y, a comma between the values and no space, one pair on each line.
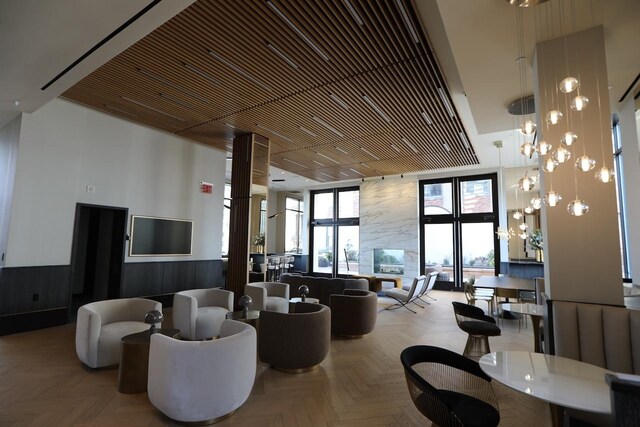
445,101
328,126
274,163
120,110
327,175
355,171
345,174
339,101
302,35
395,147
230,125
446,146
318,163
282,56
426,118
321,179
370,153
274,132
464,140
201,73
176,100
365,165
376,108
133,101
295,163
239,71
410,145
307,131
353,12
169,83
341,150
328,158
16,103
407,21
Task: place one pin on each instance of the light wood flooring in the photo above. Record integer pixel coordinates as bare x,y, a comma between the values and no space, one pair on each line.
360,383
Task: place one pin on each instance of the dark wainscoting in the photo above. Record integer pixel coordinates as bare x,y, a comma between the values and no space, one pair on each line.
33,297
38,297
158,278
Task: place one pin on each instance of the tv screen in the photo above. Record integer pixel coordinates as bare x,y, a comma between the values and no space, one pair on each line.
151,236
388,261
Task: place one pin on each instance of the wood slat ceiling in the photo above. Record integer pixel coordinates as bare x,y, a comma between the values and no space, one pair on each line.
343,89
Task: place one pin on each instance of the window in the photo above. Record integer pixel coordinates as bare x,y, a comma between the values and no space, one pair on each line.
263,216
226,215
617,165
335,231
293,225
457,227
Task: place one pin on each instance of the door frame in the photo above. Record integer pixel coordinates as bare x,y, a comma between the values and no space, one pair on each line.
74,246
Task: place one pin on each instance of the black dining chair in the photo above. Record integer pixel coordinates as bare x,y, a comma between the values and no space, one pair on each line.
478,325
449,389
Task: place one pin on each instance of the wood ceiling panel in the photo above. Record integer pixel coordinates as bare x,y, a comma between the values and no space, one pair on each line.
335,90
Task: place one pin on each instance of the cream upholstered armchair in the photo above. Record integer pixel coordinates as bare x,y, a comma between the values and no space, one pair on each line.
199,313
202,381
101,325
269,296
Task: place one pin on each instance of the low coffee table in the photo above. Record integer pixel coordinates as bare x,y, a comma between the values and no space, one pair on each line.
251,317
308,299
134,360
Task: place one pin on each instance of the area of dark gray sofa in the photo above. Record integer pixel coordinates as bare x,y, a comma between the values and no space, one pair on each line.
322,287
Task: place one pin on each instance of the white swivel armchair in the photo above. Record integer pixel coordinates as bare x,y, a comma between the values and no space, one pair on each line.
102,324
270,296
202,381
198,313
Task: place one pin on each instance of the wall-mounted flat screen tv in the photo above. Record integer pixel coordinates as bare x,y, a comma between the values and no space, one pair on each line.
388,261
152,236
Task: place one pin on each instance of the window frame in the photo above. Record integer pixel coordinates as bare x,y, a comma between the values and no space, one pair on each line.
300,212
334,222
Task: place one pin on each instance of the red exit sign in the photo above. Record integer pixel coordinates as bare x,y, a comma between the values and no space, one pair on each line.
206,187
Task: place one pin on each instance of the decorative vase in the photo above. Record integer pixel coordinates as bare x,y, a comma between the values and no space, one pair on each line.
539,255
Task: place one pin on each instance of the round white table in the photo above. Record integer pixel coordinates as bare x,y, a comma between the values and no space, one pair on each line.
536,312
557,380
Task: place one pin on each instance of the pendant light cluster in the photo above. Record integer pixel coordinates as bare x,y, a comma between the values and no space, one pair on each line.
556,153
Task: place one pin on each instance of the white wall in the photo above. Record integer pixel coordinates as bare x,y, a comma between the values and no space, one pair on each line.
65,147
9,138
389,220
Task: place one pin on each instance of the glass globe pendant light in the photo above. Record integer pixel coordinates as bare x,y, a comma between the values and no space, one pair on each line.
578,207
523,226
561,155
536,203
568,138
527,149
579,103
517,215
552,198
550,165
523,235
528,127
553,117
604,174
568,85
528,210
544,148
526,183
585,163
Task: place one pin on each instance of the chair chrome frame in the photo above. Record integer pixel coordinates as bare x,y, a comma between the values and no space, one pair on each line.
418,287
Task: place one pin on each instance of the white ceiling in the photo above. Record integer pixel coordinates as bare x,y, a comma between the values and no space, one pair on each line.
39,39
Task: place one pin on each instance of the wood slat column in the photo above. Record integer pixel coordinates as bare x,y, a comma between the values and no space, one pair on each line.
240,217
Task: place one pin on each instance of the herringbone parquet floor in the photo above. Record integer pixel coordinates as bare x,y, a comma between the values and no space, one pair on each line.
360,383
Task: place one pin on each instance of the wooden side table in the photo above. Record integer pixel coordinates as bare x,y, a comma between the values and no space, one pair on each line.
134,360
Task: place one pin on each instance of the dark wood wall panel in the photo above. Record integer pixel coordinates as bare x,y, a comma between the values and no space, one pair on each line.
19,286
156,278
